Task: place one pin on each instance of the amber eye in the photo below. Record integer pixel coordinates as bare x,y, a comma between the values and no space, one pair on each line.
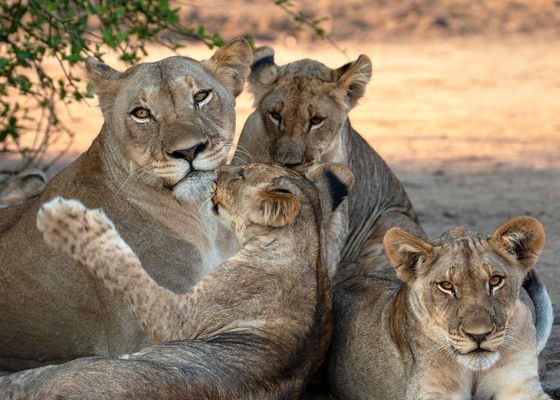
141,113
316,120
495,281
275,115
199,96
448,286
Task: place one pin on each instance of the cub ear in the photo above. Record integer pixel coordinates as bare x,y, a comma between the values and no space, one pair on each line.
334,183
274,206
230,64
263,70
521,237
352,79
405,252
103,78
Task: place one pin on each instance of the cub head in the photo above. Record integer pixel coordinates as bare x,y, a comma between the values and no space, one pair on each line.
271,196
168,118
304,105
464,287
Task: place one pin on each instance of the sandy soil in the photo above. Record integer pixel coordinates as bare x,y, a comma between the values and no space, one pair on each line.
471,126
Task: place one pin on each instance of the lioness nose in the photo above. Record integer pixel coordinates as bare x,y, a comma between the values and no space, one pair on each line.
478,337
190,153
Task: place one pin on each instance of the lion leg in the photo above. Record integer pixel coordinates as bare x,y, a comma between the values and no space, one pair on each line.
90,238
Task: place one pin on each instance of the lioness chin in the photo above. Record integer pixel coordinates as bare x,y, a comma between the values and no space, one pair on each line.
255,328
165,122
453,328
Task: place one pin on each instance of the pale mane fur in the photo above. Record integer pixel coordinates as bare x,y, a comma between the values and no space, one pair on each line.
452,328
301,119
254,328
51,310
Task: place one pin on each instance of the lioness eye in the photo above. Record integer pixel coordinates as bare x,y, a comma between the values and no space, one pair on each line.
495,281
275,115
199,96
316,120
447,286
141,113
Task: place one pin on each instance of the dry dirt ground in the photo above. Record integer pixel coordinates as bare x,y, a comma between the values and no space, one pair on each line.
471,126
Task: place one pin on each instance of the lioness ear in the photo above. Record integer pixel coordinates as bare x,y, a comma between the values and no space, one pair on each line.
103,78
230,64
274,206
352,79
522,237
333,181
405,251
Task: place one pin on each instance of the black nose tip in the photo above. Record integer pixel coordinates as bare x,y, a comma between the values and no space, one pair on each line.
479,337
191,153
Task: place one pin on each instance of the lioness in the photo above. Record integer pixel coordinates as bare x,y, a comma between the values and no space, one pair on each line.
454,328
301,119
254,328
165,122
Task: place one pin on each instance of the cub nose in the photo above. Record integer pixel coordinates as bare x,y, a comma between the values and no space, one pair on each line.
478,337
191,153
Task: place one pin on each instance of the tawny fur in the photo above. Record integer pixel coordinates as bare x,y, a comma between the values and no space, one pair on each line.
51,310
415,339
283,129
272,296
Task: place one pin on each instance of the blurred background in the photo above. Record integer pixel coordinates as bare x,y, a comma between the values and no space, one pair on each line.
464,103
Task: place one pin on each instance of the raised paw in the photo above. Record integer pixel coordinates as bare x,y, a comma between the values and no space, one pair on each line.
68,226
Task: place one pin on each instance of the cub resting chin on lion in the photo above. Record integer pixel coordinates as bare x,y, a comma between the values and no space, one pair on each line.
454,328
255,328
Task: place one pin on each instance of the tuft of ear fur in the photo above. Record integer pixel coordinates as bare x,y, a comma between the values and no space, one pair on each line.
521,237
104,79
352,79
230,64
334,182
405,251
274,206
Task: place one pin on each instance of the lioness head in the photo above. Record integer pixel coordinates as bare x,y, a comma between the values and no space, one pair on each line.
464,286
304,104
272,196
168,118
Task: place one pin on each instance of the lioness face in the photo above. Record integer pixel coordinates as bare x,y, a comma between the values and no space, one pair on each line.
272,196
174,116
464,286
304,105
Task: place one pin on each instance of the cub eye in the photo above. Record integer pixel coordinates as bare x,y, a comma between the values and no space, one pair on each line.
200,96
495,282
316,120
446,286
275,115
141,113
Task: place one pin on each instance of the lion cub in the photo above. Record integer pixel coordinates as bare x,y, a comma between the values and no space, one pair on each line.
301,119
454,328
255,327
